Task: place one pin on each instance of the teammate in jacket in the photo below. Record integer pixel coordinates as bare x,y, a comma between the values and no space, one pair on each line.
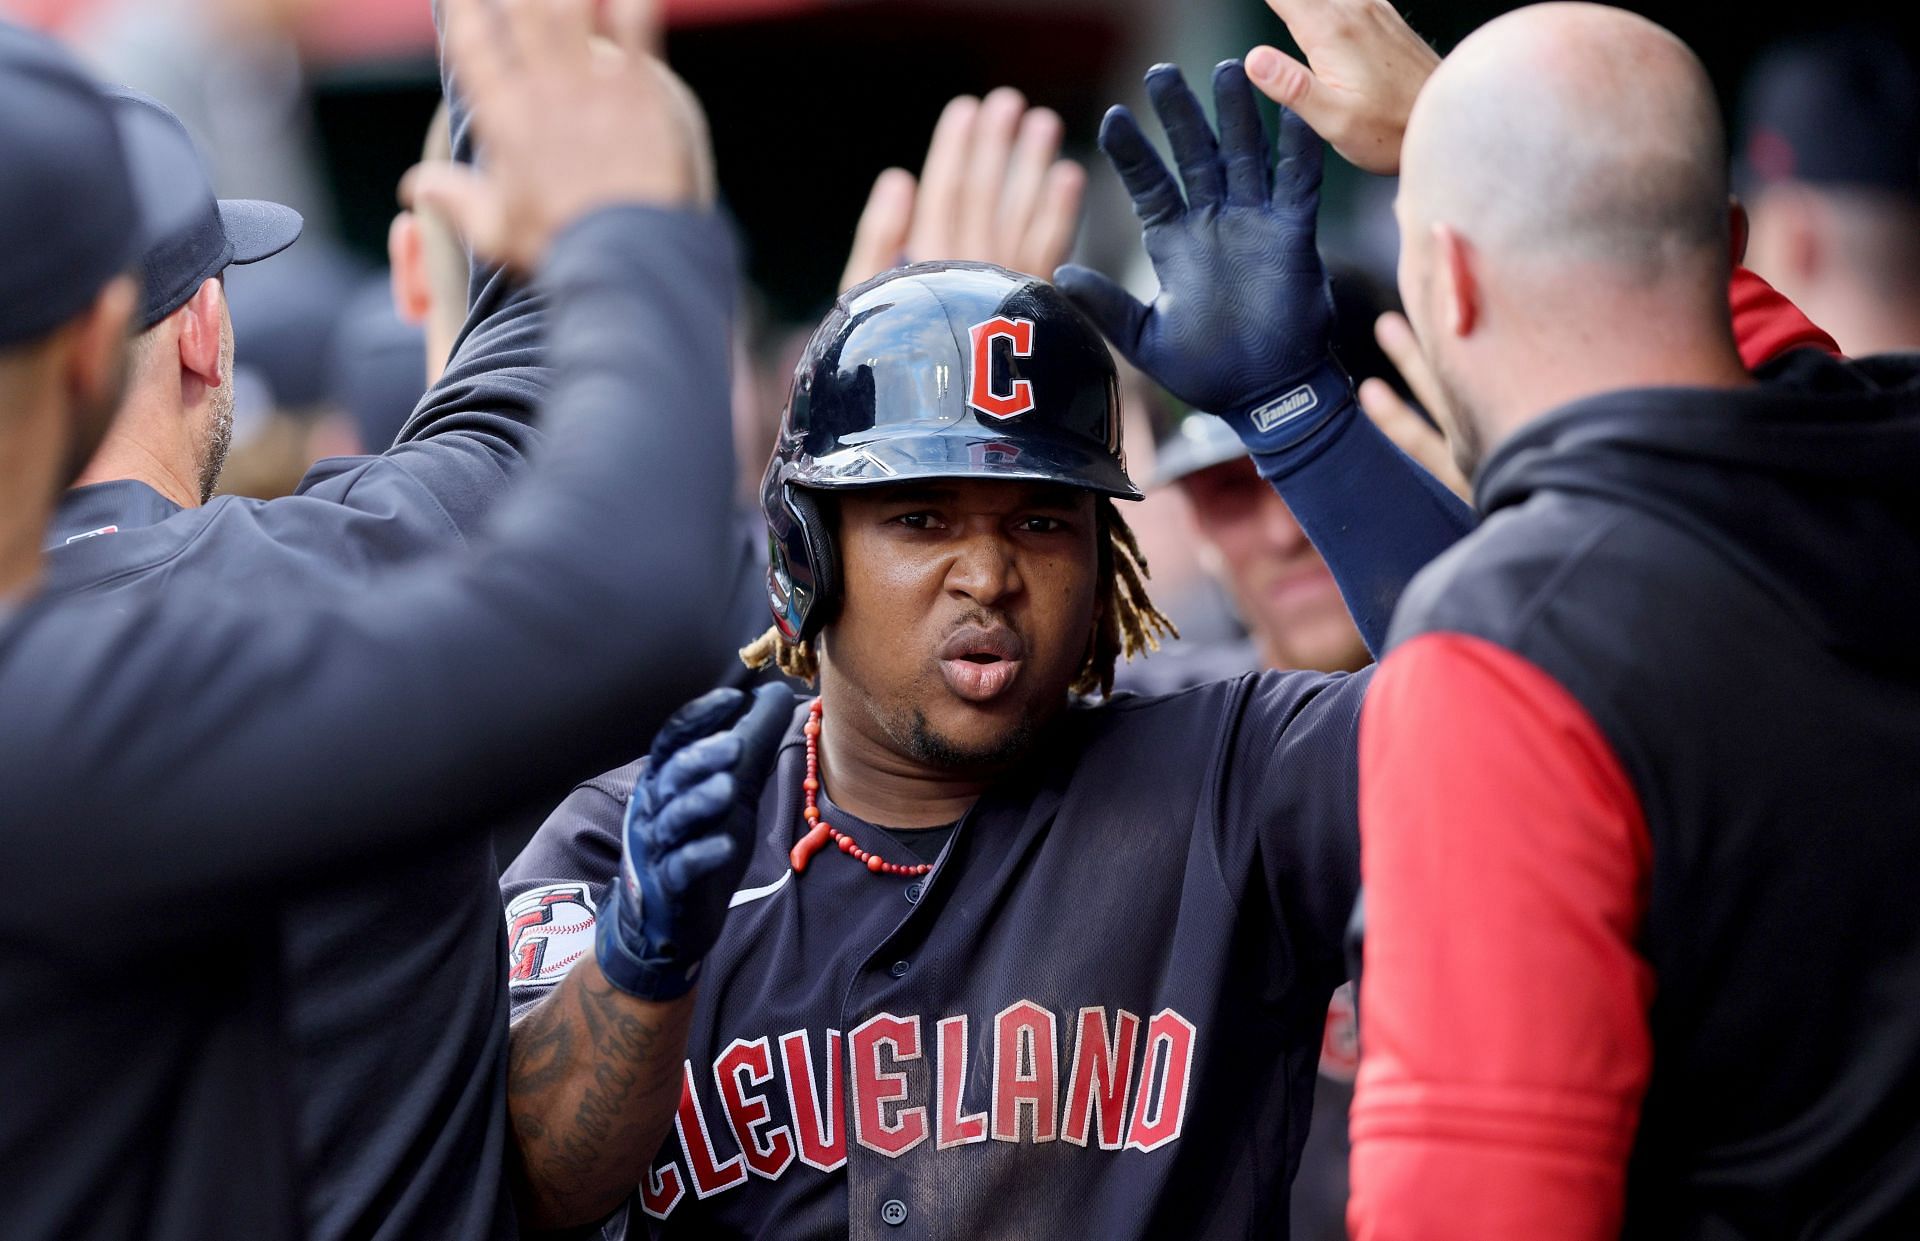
1029,964
1637,775
181,764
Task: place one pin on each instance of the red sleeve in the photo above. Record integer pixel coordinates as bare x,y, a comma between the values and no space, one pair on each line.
1766,324
1504,1041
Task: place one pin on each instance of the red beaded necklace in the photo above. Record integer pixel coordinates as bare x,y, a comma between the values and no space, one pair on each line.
819,831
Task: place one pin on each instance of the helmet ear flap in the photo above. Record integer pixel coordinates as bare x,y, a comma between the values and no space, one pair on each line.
824,555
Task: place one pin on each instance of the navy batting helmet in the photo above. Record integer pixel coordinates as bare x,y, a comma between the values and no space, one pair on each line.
937,370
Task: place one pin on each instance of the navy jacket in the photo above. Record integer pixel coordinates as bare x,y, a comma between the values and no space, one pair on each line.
180,763
1724,584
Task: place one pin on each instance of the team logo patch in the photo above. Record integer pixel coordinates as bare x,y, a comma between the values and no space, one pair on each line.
548,929
1017,396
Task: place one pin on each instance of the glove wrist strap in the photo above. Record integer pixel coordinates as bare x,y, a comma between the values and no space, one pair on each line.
1285,421
626,965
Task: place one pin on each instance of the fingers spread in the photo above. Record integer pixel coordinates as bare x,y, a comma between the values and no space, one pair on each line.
1056,222
880,239
934,215
1035,149
1156,198
1296,178
1243,136
1191,138
985,177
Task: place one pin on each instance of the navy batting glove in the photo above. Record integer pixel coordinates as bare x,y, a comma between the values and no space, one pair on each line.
688,833
1242,323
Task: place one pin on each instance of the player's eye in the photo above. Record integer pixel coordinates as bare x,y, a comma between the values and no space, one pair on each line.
1042,525
918,521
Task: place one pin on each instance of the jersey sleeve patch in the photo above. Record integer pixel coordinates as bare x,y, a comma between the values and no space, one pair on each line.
548,929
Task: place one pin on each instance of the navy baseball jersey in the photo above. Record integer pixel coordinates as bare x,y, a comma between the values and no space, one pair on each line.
1099,1015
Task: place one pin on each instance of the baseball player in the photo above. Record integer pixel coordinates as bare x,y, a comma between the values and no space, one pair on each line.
995,961
182,765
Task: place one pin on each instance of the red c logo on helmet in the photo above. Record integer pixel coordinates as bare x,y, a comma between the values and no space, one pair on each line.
1018,333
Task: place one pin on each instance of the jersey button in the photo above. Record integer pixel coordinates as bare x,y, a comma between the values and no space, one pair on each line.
894,1211
899,970
913,893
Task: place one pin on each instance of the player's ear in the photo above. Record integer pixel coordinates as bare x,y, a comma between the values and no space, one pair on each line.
407,263
202,320
1456,284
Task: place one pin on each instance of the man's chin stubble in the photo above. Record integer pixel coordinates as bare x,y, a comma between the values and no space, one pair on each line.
936,749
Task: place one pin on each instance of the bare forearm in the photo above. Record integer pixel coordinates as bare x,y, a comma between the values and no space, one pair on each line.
593,1080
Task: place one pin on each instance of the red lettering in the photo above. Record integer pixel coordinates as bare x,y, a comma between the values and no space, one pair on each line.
874,1087
823,1141
1102,1071
739,1067
953,1127
1025,1071
1018,399
661,1191
1160,1109
709,1176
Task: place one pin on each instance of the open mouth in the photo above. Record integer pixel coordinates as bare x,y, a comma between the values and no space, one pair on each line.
980,663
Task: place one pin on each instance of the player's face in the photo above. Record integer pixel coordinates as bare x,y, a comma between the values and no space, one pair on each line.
1285,593
969,611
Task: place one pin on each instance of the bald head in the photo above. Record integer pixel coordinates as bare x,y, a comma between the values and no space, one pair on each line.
1564,222
1574,132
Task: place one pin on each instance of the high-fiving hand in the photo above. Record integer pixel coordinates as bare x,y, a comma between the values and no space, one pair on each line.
1244,313
1364,67
687,838
994,189
569,123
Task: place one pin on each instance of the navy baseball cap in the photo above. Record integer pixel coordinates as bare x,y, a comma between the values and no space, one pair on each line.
69,218
1841,108
190,235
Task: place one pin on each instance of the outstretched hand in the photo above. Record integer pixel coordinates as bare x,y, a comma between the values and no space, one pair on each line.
568,123
993,189
687,838
1364,67
1244,310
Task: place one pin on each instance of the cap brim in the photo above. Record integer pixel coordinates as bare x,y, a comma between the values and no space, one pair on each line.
1195,447
258,230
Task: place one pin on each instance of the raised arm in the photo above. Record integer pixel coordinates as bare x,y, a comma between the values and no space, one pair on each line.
595,1065
196,751
1241,328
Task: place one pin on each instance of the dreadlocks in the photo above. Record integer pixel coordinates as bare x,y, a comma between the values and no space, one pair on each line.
1129,623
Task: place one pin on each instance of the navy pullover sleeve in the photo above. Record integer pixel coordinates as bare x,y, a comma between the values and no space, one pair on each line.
159,758
1376,517
473,431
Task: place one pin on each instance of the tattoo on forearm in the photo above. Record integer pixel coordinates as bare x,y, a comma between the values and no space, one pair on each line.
590,1087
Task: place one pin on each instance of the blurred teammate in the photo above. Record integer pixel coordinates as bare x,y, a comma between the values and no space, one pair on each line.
1637,794
954,1027
182,765
1829,170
